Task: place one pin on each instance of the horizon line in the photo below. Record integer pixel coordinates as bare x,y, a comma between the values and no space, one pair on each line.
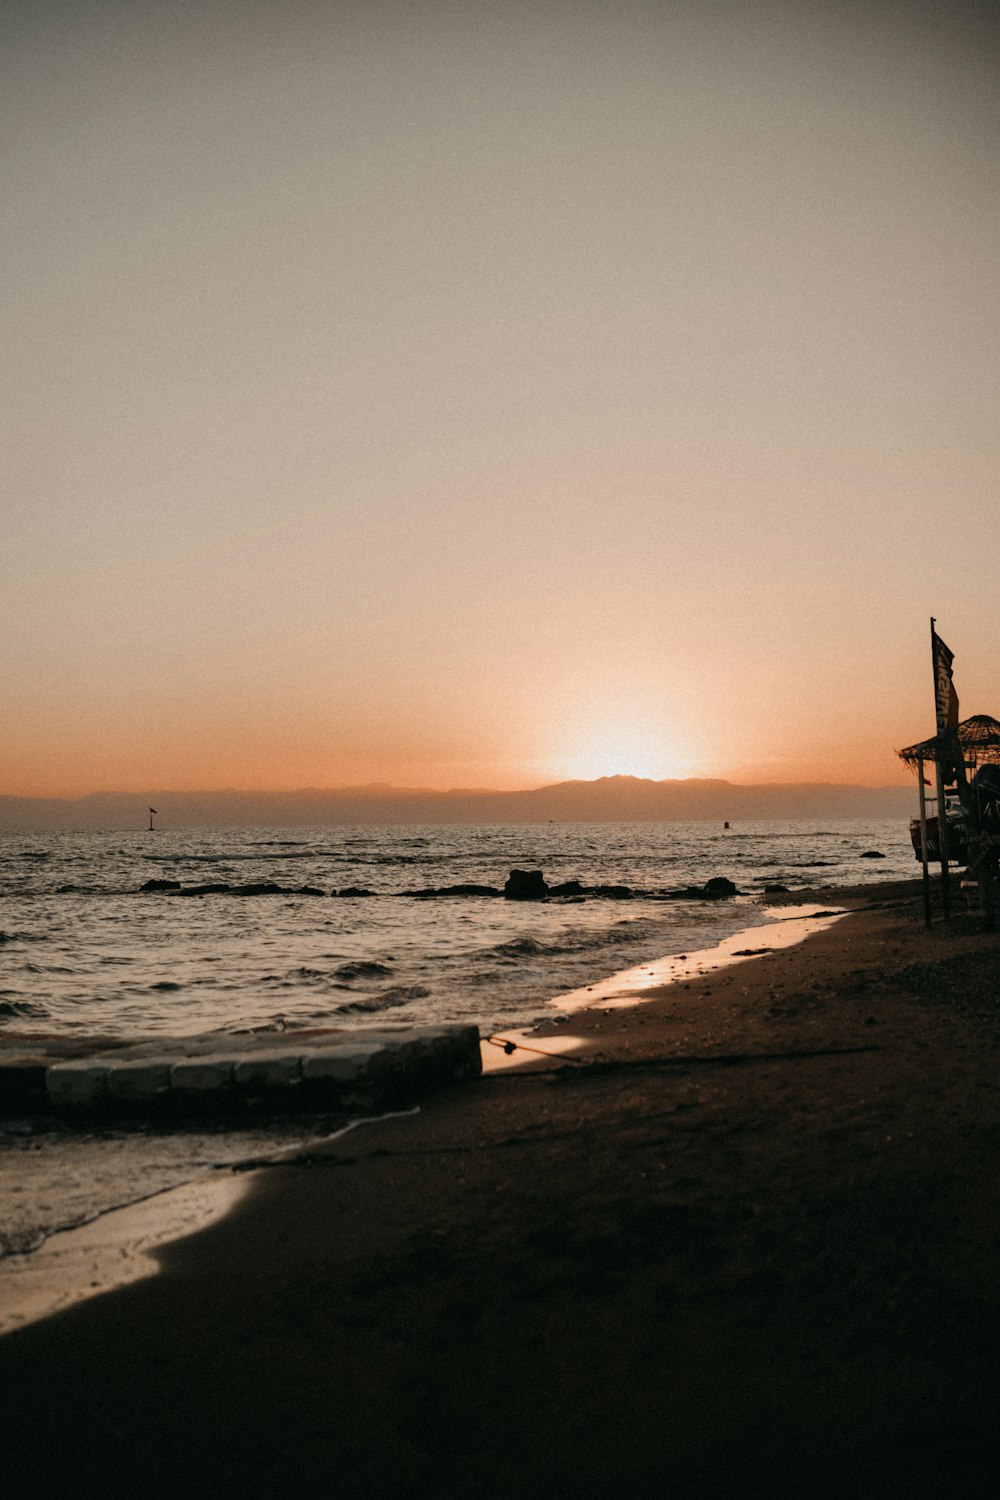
384,788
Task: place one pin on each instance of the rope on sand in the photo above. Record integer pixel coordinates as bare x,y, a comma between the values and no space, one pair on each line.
509,1047
682,1059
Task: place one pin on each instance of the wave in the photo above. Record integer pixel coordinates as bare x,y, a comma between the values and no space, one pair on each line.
360,841
582,941
811,864
794,864
520,947
387,1000
11,1009
408,859
767,838
362,969
341,977
227,859
298,851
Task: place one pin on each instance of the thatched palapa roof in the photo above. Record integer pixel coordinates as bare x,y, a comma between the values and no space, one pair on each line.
979,738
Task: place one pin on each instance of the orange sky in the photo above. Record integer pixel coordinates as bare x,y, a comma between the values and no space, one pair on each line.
485,396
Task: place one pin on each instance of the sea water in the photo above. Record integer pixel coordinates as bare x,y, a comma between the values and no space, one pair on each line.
85,950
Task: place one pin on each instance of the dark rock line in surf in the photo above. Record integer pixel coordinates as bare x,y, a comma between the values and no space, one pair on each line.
521,885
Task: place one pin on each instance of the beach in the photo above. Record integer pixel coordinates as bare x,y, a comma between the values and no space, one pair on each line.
742,1240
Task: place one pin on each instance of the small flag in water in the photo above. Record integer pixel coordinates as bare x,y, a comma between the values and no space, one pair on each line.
945,696
154,812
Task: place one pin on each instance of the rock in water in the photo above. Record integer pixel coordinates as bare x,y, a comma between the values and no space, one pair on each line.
525,885
468,890
718,888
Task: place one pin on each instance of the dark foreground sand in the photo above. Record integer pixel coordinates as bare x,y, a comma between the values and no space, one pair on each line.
752,1252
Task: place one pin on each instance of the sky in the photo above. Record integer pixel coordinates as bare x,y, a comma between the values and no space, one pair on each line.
485,395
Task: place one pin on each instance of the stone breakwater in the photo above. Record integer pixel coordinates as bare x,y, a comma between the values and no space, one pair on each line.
235,1076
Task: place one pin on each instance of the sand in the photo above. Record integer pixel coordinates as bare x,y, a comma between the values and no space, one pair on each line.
747,1248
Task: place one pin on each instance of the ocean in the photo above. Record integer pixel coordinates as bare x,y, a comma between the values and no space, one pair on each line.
85,950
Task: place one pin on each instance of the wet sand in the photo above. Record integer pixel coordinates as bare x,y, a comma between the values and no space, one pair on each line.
749,1247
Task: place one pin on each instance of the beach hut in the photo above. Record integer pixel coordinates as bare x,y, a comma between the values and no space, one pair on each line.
965,826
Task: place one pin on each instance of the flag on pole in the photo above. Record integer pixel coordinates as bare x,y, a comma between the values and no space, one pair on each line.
945,696
153,812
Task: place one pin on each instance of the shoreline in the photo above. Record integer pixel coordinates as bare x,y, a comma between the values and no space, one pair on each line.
116,1245
752,1245
84,1262
631,987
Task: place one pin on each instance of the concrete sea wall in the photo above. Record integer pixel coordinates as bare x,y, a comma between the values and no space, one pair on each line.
216,1075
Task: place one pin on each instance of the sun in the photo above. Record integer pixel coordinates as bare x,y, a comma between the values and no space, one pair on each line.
620,750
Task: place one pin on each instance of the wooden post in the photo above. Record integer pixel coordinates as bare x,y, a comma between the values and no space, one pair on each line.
942,840
939,749
923,842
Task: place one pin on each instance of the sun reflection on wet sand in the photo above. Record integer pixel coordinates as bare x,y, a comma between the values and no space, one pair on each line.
627,987
533,1049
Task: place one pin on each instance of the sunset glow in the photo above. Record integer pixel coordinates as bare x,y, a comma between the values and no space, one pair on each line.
484,396
623,757
627,743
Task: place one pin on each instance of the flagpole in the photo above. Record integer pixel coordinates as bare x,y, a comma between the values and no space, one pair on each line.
941,820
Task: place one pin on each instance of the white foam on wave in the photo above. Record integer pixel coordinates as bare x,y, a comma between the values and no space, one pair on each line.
115,1245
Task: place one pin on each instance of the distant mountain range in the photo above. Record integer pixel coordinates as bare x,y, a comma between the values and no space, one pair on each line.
609,799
